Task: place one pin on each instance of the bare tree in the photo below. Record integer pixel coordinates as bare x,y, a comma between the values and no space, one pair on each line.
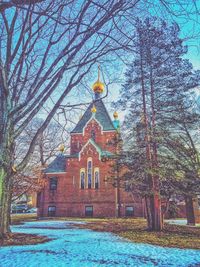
40,44
47,146
17,3
43,43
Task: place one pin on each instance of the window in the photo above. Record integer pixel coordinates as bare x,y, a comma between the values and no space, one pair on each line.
51,211
89,170
53,183
96,178
89,211
93,136
129,211
82,176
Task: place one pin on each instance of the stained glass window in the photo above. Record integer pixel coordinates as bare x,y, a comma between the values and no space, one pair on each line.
89,174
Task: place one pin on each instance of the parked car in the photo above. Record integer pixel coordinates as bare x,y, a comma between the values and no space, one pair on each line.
20,208
32,210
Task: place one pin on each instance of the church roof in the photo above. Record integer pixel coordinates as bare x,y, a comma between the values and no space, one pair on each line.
101,116
103,153
59,163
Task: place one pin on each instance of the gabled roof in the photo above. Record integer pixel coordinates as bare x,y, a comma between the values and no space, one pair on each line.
59,163
102,153
101,116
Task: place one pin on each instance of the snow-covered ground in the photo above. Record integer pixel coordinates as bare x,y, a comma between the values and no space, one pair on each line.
179,222
75,247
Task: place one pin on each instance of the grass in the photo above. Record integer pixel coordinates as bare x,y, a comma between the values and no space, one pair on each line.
134,229
179,236
22,217
19,239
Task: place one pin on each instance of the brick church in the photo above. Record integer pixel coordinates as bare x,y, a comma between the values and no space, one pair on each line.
79,184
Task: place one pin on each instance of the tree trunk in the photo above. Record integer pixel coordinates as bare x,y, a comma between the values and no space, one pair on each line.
6,197
2,178
6,173
153,204
148,208
158,222
153,214
189,210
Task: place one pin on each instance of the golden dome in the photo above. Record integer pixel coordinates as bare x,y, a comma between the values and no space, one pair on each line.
115,115
93,109
61,148
98,86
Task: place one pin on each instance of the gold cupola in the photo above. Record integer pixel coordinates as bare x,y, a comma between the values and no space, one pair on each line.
93,109
98,86
116,121
61,148
115,115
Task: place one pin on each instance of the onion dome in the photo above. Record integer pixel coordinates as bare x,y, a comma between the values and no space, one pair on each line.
93,109
116,121
98,86
115,115
61,148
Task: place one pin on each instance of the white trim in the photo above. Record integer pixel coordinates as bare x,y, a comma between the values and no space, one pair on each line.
89,142
92,118
54,172
76,133
112,131
103,131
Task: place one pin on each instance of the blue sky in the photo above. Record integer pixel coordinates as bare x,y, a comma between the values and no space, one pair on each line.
189,22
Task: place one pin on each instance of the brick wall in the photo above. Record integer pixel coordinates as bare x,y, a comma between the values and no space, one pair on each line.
69,198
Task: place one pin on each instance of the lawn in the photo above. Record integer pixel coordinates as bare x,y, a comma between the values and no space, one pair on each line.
134,229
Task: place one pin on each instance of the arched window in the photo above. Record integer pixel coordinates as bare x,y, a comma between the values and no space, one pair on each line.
82,178
96,178
93,136
89,173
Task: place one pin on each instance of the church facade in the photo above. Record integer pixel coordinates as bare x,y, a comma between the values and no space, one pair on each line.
81,184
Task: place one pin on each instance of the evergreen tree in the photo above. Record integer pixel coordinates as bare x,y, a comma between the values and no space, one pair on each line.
182,150
158,82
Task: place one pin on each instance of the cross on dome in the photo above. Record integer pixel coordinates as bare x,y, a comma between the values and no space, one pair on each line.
98,86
